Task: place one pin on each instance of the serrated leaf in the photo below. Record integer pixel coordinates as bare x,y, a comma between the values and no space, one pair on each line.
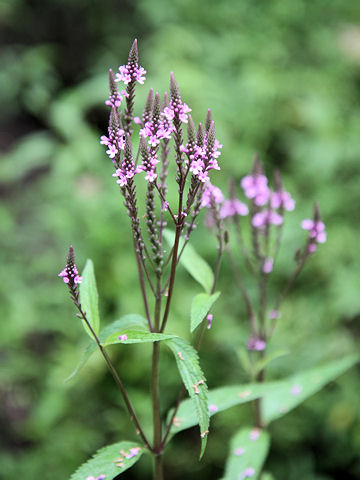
292,391
219,399
135,336
187,361
274,394
200,307
110,461
248,451
125,322
198,268
89,298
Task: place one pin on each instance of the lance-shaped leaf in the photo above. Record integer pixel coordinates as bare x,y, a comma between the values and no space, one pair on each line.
198,268
248,450
89,299
110,461
292,391
279,397
219,399
135,336
200,307
126,322
187,361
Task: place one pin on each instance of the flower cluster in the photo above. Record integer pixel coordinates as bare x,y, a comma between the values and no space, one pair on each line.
131,72
317,233
177,110
70,274
156,131
211,195
91,477
126,169
115,142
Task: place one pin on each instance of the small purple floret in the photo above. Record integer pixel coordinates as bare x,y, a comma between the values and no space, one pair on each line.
256,343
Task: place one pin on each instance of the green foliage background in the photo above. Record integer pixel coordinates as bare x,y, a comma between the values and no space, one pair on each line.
282,79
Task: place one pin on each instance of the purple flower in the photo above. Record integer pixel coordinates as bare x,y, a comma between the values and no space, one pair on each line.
239,451
133,452
256,187
317,232
274,314
115,141
233,207
248,472
254,434
204,157
70,274
211,194
266,217
268,265
282,199
131,73
149,161
209,319
100,477
115,99
256,343
296,389
122,337
213,408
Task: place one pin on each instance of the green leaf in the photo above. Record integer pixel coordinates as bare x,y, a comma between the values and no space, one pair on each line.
110,461
292,391
198,268
135,336
187,361
248,451
200,307
275,394
125,322
218,399
89,299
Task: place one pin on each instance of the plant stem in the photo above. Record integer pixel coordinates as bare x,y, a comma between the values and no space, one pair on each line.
112,369
155,393
172,273
143,288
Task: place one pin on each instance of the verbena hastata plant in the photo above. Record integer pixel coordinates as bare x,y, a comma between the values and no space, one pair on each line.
162,151
253,250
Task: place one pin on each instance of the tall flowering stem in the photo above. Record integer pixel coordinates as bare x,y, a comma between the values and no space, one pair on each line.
266,211
160,129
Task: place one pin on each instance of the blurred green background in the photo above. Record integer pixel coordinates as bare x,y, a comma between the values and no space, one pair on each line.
282,79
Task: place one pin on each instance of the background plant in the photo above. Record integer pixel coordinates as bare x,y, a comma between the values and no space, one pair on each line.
284,82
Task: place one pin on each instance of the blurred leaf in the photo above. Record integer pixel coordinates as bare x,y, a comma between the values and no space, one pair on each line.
134,336
128,321
200,307
187,361
248,450
218,399
274,394
198,268
89,299
294,390
110,461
